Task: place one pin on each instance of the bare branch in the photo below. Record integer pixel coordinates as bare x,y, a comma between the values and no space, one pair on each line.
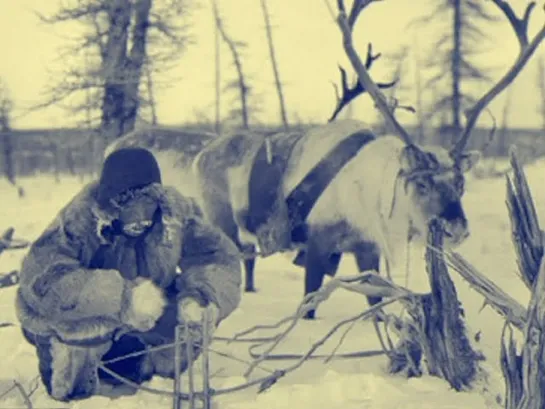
241,82
73,13
274,64
527,49
24,394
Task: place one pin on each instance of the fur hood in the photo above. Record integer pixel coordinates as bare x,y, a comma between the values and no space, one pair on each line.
174,207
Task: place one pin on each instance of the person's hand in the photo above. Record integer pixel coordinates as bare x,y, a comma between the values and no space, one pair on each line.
190,312
146,303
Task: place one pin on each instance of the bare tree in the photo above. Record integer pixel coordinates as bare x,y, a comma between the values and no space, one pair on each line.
452,53
6,108
502,147
241,83
274,63
150,94
120,37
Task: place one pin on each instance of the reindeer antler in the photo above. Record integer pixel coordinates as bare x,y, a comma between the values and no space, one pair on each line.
349,93
527,49
346,25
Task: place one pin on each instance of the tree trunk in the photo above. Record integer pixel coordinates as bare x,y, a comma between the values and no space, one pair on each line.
525,373
243,88
526,234
135,64
456,64
274,63
437,329
113,67
151,95
123,69
8,154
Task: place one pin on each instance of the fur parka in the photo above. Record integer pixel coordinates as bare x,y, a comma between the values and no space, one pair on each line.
64,292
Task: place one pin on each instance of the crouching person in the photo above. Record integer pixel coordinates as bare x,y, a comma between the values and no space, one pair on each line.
120,266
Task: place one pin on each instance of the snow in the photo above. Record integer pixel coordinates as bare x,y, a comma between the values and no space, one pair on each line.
340,383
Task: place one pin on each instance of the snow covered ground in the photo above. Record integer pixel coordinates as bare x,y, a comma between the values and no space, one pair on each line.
341,383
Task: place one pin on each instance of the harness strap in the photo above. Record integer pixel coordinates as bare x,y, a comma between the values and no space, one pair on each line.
305,195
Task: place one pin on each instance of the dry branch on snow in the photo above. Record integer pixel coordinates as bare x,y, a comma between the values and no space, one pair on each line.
7,242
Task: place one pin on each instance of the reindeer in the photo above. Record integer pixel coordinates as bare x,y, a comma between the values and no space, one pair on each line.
338,188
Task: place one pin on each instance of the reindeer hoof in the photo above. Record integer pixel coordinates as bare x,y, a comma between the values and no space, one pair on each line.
310,315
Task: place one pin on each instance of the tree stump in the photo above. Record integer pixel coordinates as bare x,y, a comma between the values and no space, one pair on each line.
437,325
526,235
524,373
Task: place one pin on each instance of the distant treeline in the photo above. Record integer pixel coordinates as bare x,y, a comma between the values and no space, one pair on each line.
76,151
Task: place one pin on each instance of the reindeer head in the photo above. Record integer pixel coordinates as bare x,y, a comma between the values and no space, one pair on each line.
434,183
434,180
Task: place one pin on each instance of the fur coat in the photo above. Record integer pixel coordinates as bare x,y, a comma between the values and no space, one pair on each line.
65,293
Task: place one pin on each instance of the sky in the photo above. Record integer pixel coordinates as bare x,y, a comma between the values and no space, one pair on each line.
308,46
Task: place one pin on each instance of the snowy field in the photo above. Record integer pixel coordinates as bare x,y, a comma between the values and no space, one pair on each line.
341,383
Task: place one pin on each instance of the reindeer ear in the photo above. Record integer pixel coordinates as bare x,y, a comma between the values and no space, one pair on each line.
412,157
468,160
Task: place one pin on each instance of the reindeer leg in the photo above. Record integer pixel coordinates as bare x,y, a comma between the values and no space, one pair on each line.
317,263
224,217
368,258
249,267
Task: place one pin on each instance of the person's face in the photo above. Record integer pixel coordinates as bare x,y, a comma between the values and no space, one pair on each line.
136,213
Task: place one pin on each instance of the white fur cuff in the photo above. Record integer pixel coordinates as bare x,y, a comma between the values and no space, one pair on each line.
189,310
146,304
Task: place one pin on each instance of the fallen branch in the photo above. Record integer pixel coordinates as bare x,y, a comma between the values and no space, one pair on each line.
9,279
7,242
511,366
369,284
364,315
326,357
24,394
177,404
494,296
207,404
366,283
370,312
171,345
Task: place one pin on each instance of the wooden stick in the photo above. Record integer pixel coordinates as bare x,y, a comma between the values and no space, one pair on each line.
205,362
177,401
189,354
